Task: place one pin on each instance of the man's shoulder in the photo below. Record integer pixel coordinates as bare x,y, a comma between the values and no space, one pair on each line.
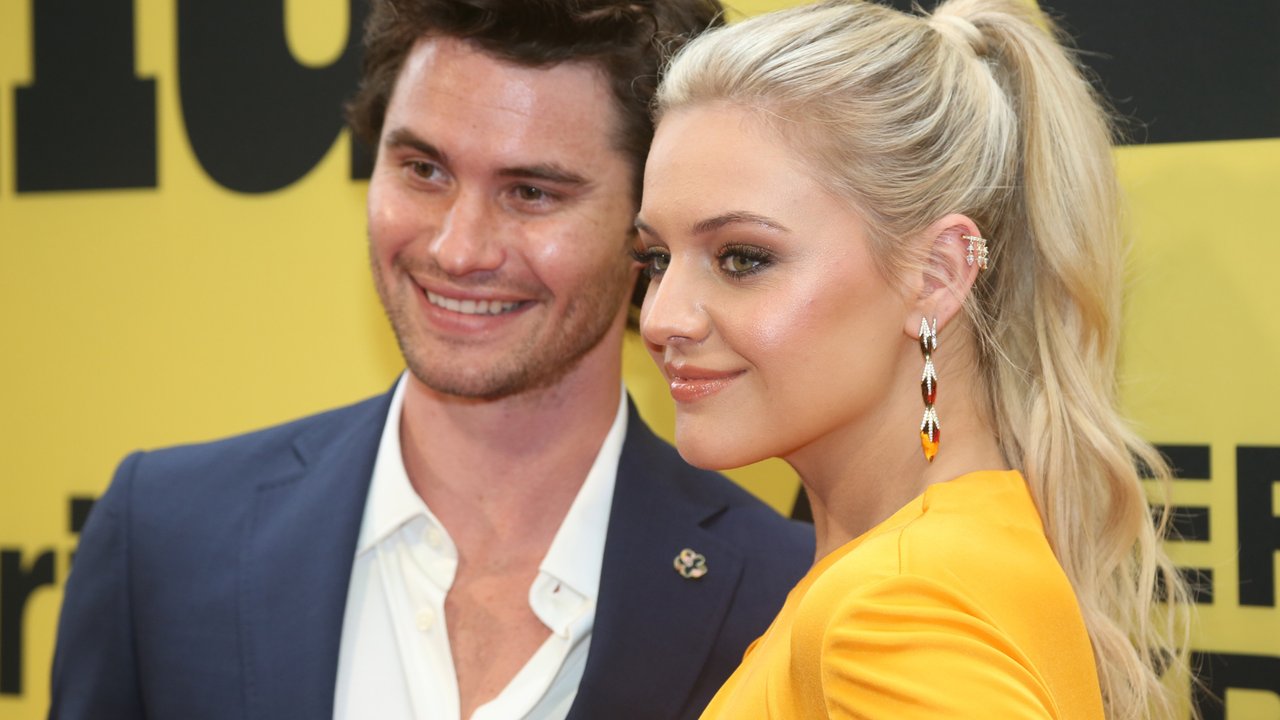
749,522
736,514
256,457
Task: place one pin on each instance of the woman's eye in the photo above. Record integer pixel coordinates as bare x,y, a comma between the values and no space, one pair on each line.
738,264
740,261
655,261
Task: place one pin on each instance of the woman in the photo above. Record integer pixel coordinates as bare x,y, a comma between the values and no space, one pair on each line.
886,248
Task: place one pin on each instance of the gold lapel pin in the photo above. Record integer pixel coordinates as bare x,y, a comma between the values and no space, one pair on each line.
690,564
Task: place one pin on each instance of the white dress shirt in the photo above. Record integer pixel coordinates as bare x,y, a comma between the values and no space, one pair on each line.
395,662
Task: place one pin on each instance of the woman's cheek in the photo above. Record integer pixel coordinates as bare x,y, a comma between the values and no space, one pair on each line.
779,325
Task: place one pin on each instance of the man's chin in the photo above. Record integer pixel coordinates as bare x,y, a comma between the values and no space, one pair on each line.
488,383
464,385
506,368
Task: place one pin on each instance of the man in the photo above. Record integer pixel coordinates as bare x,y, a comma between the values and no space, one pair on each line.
500,536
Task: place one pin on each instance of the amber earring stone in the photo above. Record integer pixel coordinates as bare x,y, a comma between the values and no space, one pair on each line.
930,433
930,442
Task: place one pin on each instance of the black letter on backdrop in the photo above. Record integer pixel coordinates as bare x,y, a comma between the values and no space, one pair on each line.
1221,671
1259,531
1188,71
86,121
1191,522
16,587
77,515
257,119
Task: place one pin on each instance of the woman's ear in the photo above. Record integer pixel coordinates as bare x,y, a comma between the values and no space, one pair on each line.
946,276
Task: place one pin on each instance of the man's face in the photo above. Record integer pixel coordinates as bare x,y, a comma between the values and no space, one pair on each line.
500,215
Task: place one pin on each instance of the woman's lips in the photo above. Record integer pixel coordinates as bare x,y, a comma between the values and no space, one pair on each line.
689,383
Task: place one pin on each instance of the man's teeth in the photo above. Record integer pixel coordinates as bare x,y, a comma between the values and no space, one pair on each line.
471,307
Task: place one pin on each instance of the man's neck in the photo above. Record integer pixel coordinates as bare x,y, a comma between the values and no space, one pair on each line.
501,476
502,461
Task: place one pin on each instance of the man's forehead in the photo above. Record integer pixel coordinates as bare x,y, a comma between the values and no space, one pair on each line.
475,107
450,68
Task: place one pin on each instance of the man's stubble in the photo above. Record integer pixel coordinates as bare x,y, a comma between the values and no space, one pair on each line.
538,362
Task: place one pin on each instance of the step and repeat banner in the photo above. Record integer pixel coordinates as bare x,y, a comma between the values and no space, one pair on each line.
182,257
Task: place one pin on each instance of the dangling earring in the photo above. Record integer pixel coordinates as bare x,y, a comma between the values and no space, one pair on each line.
930,435
977,251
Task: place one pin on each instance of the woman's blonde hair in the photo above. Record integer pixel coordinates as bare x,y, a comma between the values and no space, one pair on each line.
980,108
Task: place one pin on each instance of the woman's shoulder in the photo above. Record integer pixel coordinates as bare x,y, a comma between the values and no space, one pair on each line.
979,534
966,585
976,540
982,531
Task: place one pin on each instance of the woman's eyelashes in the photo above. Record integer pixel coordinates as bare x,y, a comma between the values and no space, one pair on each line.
741,261
653,259
735,261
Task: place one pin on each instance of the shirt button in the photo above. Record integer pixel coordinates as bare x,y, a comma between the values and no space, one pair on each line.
434,537
425,619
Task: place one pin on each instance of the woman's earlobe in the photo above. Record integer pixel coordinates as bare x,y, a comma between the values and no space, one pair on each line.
918,321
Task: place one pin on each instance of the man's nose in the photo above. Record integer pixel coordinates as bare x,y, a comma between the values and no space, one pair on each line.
469,240
674,311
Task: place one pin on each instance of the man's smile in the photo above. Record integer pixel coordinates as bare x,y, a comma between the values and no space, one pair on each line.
472,307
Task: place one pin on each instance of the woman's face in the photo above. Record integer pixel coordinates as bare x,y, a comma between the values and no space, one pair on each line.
765,311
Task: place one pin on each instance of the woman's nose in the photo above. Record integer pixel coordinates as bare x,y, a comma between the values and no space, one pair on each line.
673,312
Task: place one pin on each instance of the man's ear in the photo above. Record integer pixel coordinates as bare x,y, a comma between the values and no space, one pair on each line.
946,276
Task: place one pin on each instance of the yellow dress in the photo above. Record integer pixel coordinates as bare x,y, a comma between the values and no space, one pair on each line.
954,607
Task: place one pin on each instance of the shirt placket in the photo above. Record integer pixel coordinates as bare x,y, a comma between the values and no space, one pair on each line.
426,563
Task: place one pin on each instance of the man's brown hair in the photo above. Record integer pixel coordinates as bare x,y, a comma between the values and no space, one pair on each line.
627,39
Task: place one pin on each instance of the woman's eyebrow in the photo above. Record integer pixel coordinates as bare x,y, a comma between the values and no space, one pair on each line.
642,227
737,216
719,221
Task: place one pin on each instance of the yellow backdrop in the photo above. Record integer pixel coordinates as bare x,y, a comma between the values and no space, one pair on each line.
147,317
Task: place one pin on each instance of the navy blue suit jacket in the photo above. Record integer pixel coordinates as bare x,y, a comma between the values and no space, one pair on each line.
211,580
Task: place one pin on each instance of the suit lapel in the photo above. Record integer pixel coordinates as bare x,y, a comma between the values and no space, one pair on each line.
654,628
296,566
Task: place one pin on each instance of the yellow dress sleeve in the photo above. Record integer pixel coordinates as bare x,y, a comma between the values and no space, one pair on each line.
911,647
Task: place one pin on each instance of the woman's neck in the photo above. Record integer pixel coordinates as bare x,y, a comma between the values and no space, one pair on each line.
862,473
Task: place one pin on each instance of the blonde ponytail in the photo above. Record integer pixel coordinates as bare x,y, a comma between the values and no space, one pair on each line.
981,109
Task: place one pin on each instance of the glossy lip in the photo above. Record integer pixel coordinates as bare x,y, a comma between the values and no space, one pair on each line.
456,323
690,383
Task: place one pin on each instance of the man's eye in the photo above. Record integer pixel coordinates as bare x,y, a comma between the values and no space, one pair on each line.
425,170
528,193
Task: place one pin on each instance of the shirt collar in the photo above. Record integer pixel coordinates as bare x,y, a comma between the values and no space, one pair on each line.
392,501
576,554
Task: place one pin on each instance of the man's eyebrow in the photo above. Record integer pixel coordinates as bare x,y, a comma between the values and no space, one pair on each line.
545,171
737,216
402,137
